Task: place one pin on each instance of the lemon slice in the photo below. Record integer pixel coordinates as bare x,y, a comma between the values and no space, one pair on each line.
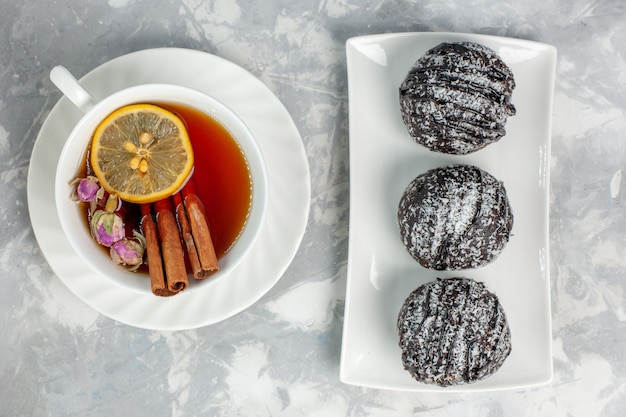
142,153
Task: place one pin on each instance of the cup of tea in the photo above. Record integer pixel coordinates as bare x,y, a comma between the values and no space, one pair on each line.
228,188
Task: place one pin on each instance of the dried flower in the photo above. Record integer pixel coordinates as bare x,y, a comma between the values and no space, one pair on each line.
107,227
129,252
87,189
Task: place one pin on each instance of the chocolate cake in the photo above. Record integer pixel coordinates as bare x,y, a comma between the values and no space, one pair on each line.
453,331
455,217
457,97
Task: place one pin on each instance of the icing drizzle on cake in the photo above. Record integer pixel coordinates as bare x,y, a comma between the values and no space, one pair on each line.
457,97
455,217
453,331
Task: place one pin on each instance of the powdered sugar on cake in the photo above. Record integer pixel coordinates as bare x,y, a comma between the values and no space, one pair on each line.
453,331
456,99
456,217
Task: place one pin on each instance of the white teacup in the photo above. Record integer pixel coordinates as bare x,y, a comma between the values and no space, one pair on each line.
72,157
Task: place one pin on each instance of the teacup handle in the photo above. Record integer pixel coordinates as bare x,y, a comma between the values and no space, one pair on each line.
70,87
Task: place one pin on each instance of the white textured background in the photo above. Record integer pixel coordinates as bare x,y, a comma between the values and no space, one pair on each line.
281,356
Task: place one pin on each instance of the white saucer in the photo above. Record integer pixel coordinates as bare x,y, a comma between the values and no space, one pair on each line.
289,187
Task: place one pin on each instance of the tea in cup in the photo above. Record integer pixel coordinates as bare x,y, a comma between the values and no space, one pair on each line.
225,193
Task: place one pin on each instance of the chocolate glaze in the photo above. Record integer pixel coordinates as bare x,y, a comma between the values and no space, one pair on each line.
456,98
453,331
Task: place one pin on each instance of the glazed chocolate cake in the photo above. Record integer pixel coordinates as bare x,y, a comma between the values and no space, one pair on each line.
455,217
453,331
457,97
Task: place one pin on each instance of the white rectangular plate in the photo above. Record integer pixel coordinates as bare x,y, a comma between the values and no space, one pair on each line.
384,159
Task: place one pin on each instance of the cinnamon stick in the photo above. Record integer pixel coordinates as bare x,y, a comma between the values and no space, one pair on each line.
155,263
171,247
199,230
185,230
